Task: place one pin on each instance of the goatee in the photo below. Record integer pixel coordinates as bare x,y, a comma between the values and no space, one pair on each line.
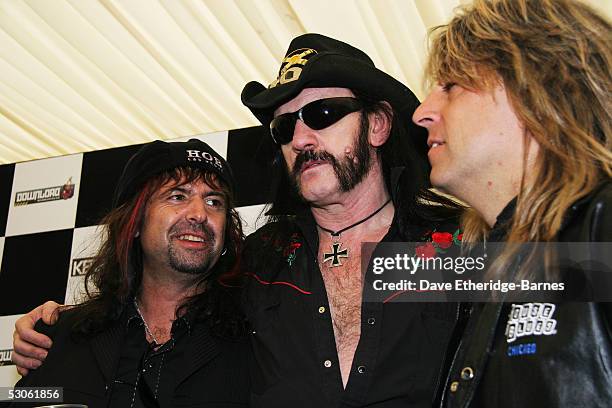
193,262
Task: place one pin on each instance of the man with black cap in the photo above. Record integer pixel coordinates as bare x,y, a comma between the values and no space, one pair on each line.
160,326
350,169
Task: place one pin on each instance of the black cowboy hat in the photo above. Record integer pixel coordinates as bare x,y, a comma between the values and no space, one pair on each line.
317,61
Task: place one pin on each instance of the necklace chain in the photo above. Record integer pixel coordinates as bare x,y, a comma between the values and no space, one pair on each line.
146,326
336,247
340,231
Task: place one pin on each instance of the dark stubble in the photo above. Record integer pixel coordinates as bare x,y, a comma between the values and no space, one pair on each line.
193,262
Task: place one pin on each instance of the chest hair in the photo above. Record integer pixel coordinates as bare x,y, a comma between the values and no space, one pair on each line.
344,289
162,333
344,286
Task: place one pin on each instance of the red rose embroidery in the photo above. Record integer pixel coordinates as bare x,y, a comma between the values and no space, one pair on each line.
426,250
443,239
291,248
460,237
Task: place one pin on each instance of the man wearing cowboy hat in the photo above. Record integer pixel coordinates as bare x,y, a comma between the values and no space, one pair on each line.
351,168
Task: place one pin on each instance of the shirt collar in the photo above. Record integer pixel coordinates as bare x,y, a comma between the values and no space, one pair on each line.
500,229
133,317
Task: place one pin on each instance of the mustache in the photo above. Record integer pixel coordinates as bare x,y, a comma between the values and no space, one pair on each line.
193,229
311,155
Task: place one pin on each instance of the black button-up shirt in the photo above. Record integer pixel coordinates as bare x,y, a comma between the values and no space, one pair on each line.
197,369
400,353
144,374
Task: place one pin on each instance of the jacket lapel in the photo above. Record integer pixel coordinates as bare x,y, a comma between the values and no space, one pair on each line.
106,347
201,348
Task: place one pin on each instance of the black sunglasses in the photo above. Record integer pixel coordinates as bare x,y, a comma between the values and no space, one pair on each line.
316,115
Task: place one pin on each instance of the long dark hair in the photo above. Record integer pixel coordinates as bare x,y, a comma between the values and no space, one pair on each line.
115,275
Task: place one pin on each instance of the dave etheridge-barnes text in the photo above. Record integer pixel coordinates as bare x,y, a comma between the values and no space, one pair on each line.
468,285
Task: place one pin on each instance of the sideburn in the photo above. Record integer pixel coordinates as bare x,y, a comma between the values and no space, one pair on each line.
353,169
350,170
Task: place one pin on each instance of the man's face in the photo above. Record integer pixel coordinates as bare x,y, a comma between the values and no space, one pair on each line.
184,227
475,139
322,163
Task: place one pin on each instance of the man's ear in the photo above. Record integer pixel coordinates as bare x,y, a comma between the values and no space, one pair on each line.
380,126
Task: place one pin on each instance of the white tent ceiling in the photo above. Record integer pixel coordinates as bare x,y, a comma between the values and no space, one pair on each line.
80,75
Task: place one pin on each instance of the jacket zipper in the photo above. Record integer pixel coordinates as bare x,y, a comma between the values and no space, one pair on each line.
440,373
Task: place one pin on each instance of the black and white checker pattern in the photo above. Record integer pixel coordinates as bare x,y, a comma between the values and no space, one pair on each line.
45,247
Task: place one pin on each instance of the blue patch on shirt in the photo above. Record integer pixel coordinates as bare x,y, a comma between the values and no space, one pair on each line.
521,349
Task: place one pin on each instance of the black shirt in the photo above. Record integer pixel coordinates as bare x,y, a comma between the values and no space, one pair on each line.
196,369
400,353
144,374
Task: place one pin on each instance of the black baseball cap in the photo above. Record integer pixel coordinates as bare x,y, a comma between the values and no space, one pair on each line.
158,156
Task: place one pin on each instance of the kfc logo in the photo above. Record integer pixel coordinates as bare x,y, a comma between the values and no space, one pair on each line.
80,266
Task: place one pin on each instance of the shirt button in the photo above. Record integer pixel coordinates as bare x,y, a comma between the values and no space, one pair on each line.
361,369
467,373
371,321
327,363
322,309
454,386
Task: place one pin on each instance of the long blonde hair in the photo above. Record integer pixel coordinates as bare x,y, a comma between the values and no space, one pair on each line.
554,58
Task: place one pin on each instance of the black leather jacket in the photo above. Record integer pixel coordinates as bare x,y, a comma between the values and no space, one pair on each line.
570,365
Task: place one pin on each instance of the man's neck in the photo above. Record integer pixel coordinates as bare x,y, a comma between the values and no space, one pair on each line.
160,298
493,210
486,197
490,193
355,205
